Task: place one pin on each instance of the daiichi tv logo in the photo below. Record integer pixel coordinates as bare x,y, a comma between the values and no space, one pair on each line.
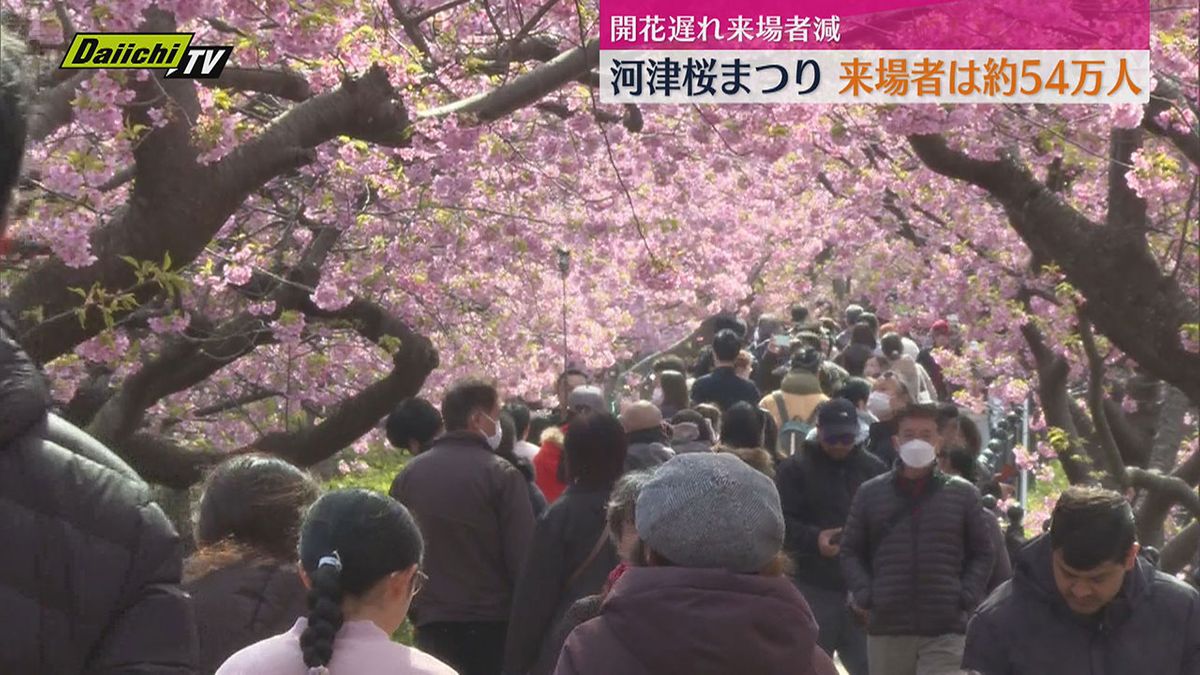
170,51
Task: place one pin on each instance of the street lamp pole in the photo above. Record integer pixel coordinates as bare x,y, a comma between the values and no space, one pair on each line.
564,269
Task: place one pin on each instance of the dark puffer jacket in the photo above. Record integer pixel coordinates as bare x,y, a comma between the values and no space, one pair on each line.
1025,628
242,603
89,582
816,491
920,566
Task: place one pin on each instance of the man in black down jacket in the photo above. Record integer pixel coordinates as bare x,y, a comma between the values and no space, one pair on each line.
89,579
1083,602
917,554
816,486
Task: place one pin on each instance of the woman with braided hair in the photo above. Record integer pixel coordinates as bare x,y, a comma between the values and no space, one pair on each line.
360,557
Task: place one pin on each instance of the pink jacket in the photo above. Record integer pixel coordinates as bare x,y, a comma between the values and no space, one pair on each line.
360,648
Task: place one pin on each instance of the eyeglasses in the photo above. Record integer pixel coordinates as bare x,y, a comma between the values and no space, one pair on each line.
419,581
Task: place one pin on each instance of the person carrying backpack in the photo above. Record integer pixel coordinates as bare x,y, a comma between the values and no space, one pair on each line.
794,405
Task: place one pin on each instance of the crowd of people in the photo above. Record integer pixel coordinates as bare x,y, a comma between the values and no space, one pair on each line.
801,493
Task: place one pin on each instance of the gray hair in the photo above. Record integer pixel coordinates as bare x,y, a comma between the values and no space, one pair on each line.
623,500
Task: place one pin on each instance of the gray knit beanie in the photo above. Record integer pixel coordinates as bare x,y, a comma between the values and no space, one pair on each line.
711,510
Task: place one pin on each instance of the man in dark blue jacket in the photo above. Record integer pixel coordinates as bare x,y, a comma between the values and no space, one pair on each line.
722,386
816,487
1083,602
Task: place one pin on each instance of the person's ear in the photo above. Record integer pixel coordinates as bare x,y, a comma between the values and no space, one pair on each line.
400,582
304,578
1131,558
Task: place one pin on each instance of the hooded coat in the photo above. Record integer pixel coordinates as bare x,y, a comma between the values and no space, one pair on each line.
1026,628
685,621
90,579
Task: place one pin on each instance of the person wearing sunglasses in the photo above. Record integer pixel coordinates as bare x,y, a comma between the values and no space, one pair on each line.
816,486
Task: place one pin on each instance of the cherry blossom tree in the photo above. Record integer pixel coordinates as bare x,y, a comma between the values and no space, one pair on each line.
367,203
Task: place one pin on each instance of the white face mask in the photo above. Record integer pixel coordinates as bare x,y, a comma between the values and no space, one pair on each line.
657,397
879,403
917,453
493,441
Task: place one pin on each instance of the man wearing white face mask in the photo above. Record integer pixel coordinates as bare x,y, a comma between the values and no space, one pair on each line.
474,512
916,553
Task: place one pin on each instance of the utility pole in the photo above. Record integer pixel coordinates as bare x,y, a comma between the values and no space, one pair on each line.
564,269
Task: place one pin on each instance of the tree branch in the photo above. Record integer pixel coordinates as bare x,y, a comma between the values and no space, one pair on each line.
1141,311
527,88
1111,454
53,108
1164,96
285,83
1052,372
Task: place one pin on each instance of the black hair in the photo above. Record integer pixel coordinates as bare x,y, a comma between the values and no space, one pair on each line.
806,359
862,334
669,362
13,123
964,464
946,413
742,426
892,346
350,540
704,362
917,411
508,437
694,416
254,502
594,449
538,424
871,320
856,390
731,323
1091,526
415,419
726,345
972,439
571,372
463,399
799,314
520,417
674,388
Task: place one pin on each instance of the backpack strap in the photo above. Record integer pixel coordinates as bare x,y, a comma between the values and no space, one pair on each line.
781,404
588,560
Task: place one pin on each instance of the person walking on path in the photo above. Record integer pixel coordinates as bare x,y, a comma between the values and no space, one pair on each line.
816,487
1084,602
474,511
243,578
916,554
360,556
711,596
571,554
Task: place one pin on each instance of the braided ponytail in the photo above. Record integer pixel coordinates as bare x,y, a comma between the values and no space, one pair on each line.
373,535
324,615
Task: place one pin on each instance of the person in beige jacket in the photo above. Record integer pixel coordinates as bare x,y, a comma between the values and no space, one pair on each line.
800,391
